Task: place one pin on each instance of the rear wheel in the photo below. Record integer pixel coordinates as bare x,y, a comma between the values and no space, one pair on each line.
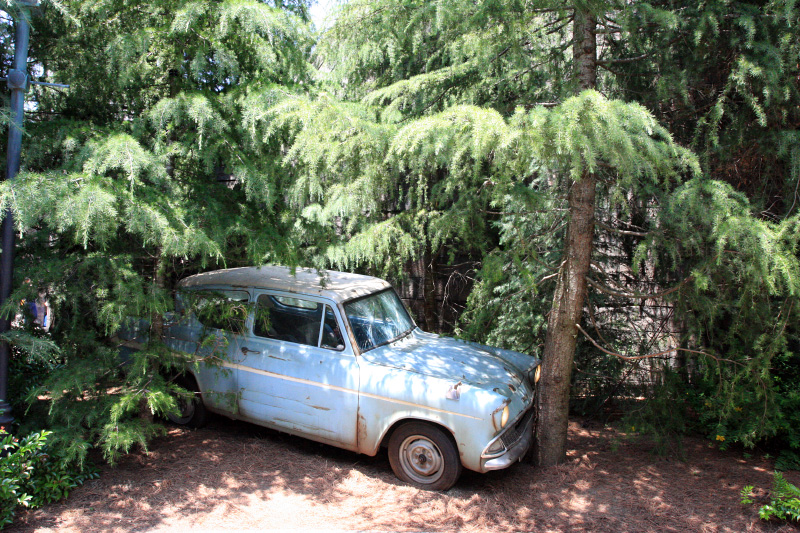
191,411
424,455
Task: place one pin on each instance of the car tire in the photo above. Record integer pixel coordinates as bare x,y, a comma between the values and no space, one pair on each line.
192,413
424,455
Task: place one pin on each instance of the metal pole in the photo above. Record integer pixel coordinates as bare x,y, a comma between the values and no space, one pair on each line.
17,82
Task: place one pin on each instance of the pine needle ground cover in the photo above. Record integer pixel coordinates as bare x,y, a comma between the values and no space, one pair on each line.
233,475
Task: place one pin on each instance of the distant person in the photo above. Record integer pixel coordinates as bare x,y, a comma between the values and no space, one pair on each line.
42,312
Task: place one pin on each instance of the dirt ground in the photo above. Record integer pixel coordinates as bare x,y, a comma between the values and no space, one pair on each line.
236,476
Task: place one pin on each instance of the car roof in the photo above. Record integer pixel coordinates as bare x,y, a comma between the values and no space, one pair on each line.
337,286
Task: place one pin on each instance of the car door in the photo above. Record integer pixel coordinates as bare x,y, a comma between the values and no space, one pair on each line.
300,374
211,331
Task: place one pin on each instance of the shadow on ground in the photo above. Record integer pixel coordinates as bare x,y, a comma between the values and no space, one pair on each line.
233,475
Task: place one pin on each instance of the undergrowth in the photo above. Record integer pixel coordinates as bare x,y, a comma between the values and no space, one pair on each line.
32,475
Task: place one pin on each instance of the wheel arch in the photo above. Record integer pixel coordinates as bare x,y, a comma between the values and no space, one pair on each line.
184,377
384,441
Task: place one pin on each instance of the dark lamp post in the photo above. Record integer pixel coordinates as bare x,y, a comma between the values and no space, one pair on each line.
17,82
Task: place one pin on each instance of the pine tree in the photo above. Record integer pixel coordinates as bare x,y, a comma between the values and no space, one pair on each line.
137,175
410,72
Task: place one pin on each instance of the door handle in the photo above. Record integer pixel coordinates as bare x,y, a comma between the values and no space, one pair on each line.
245,351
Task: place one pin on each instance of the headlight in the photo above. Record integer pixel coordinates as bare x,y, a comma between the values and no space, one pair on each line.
534,374
504,417
502,413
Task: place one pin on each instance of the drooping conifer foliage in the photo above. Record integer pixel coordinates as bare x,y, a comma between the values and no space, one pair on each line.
139,173
507,186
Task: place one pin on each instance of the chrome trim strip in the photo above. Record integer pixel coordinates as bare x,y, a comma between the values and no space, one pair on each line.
341,389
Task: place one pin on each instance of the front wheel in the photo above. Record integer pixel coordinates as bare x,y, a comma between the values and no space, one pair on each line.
424,455
191,411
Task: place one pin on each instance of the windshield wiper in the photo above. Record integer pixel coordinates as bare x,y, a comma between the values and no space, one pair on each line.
395,339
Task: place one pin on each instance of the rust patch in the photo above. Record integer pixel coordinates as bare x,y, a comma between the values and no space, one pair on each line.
320,408
362,431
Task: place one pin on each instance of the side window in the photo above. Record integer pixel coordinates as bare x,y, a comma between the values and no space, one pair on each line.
331,335
288,319
297,320
226,310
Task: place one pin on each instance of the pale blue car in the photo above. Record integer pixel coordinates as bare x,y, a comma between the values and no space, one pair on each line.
336,358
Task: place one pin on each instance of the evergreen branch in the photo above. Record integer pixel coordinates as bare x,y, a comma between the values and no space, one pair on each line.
603,62
637,295
433,102
608,31
621,231
616,61
656,354
558,28
551,276
594,322
522,213
358,21
794,199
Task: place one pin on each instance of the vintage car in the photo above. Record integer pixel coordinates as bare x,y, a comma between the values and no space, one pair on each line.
335,357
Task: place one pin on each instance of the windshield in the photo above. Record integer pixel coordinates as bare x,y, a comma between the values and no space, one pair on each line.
378,319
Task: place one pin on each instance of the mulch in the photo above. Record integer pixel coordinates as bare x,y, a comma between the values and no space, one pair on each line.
237,476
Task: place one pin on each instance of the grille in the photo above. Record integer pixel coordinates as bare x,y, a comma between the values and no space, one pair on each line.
512,436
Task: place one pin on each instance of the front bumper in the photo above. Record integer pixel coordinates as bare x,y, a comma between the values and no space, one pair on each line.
518,439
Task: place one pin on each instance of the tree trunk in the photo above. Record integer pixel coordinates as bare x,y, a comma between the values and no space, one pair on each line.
550,445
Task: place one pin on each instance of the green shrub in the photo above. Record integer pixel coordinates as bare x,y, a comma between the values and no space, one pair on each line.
785,502
30,476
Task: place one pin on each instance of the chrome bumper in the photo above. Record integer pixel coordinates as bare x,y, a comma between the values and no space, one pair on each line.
516,451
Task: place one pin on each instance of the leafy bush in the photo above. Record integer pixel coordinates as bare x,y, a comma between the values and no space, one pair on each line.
30,476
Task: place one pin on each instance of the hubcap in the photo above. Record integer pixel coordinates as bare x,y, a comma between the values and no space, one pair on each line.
421,459
186,412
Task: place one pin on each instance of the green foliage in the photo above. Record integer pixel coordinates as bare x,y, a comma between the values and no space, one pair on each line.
507,305
722,74
139,174
413,57
746,495
31,474
453,167
784,503
447,169
739,309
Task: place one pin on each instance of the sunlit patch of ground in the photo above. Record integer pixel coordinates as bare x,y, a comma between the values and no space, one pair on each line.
236,476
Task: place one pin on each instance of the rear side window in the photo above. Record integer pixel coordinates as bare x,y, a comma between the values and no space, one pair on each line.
297,320
225,310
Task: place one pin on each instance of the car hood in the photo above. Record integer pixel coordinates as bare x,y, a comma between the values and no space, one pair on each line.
448,358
